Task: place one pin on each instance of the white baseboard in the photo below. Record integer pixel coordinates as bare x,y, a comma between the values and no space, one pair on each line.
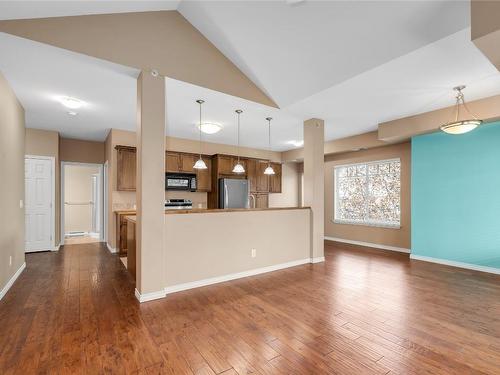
9,284
94,235
317,260
111,249
56,248
369,244
453,263
149,296
234,276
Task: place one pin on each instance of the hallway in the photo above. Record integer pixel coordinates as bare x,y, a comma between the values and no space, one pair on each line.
361,312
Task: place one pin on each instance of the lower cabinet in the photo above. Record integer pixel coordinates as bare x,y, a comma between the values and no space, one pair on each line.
261,200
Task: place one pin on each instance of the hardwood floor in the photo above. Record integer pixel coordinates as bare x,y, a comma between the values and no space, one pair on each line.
361,312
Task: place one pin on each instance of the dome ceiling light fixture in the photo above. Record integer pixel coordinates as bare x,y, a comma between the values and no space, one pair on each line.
209,127
238,168
200,164
71,103
458,126
269,170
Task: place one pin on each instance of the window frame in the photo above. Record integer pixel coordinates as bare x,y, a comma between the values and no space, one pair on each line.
359,222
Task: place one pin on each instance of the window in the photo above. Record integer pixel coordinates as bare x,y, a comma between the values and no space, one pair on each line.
368,193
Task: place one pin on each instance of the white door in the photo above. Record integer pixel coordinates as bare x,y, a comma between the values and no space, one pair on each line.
38,204
95,205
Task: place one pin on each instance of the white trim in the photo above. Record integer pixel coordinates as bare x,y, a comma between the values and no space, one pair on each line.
368,244
111,249
56,248
9,284
234,276
53,191
317,260
95,235
149,296
453,263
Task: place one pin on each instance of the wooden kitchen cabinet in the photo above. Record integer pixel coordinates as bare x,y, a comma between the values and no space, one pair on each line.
172,164
127,165
261,201
204,176
187,162
224,165
275,180
261,180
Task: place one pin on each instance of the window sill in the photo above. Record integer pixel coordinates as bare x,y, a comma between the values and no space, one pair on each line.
376,225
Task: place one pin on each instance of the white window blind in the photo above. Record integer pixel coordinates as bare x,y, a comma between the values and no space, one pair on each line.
368,193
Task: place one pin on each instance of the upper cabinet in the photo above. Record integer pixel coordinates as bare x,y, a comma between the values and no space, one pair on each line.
172,162
179,162
187,162
275,179
204,176
127,166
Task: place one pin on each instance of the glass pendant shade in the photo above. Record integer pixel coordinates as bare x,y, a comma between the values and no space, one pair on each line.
238,168
200,164
269,170
460,126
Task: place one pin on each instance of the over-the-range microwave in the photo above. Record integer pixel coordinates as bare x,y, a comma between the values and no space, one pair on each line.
180,181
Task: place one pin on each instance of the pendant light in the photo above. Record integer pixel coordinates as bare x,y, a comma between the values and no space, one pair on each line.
269,170
200,164
238,168
461,126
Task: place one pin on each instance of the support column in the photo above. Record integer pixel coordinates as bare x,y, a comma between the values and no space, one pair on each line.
150,191
314,184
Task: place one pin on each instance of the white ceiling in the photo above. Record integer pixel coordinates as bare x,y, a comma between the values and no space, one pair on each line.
293,52
353,64
40,73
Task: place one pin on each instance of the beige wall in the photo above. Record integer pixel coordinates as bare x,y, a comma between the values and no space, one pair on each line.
206,245
46,143
290,187
80,151
383,236
163,40
12,185
78,189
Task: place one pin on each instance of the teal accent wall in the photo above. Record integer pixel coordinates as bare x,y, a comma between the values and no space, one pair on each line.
455,204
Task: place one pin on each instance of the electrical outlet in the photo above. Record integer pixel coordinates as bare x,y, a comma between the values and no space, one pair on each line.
254,253
10,261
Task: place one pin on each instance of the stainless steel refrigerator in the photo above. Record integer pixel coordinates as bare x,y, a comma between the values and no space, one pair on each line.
233,193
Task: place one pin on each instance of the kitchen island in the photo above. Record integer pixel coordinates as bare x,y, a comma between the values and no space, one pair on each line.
204,247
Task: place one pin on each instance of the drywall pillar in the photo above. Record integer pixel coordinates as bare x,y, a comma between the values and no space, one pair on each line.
485,28
314,184
150,189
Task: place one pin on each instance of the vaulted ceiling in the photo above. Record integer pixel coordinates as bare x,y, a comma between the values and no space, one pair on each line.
352,63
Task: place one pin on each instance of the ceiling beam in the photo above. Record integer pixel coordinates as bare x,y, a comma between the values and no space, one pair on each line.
485,28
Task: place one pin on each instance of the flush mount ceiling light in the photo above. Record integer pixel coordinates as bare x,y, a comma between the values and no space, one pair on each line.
210,127
72,103
200,164
296,143
269,170
238,168
461,126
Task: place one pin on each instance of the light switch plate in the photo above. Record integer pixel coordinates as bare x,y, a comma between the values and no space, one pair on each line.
21,203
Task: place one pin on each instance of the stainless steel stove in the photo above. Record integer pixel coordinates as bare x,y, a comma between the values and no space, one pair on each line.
178,204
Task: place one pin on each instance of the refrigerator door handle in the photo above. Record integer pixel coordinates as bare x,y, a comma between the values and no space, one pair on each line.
226,198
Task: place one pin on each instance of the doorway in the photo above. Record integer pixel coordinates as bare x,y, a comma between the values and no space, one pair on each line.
82,202
39,203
